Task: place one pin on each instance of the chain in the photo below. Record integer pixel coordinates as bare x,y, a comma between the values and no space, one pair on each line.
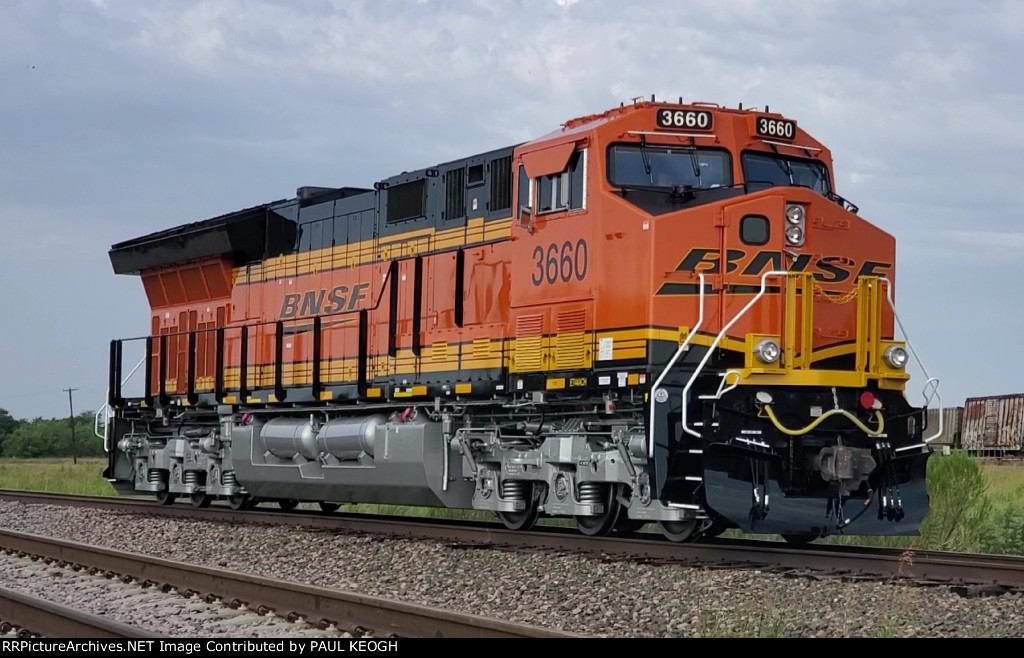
832,299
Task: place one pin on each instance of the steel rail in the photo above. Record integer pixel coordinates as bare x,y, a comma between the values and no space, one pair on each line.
322,606
38,616
924,566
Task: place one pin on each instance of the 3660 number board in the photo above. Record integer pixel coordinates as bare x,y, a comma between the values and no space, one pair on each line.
689,119
778,128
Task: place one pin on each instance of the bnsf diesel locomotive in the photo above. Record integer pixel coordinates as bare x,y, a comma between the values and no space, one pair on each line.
662,313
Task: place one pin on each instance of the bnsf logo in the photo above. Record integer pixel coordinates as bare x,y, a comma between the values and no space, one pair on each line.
323,301
827,269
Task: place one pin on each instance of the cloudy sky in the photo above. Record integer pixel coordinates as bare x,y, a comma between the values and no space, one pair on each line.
119,118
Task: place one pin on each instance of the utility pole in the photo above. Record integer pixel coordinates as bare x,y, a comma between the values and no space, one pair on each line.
71,409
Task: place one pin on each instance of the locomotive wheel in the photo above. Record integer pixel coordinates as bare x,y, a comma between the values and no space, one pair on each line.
166,497
799,540
678,531
329,507
201,500
528,517
240,502
602,524
288,504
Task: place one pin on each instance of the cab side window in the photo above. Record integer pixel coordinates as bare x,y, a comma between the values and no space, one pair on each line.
564,190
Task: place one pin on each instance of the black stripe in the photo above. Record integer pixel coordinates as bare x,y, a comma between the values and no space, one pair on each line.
732,289
741,289
376,261
393,311
417,304
683,289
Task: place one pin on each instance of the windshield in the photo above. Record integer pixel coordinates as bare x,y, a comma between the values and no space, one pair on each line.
769,170
668,166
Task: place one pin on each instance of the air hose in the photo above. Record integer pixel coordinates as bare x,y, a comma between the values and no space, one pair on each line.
817,421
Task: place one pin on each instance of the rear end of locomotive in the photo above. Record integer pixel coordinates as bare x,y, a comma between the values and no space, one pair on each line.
782,409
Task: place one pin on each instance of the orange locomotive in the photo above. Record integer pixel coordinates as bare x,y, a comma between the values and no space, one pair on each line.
661,313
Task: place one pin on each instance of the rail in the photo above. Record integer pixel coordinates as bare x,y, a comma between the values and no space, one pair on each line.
347,610
31,614
920,566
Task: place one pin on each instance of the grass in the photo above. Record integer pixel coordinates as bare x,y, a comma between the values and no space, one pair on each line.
976,506
754,623
1005,485
56,475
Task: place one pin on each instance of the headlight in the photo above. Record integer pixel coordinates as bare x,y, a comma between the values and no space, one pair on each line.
767,351
895,356
794,235
794,214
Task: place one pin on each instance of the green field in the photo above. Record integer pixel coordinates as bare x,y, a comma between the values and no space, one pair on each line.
56,475
975,506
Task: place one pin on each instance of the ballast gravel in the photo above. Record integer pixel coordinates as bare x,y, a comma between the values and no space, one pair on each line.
147,608
581,594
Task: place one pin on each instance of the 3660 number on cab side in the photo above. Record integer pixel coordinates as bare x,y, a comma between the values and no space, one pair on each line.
560,262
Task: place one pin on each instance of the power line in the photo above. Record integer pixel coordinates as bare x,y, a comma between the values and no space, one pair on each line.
71,419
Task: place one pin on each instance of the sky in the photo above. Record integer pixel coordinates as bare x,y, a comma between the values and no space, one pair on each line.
119,118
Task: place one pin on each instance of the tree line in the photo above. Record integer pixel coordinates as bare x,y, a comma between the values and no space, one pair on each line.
48,437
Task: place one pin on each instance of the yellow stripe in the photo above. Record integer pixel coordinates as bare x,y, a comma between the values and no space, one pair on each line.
410,243
480,354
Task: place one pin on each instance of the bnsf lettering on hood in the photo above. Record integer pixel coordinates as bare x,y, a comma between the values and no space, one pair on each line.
323,302
827,269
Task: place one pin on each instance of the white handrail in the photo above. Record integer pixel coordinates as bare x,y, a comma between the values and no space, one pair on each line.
930,389
931,383
679,352
105,409
718,339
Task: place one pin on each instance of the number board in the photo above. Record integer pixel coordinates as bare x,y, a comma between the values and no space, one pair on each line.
685,119
775,128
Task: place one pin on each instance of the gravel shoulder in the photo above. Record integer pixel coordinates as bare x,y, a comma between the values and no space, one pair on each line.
580,594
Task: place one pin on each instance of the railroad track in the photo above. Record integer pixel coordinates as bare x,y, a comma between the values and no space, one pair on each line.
33,616
968,573
363,615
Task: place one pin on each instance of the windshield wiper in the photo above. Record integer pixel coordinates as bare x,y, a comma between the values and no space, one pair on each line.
645,156
785,167
681,193
696,165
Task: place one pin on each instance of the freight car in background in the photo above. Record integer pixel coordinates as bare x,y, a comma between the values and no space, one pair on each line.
951,419
991,426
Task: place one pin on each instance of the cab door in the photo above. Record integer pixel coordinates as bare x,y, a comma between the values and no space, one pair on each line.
552,306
